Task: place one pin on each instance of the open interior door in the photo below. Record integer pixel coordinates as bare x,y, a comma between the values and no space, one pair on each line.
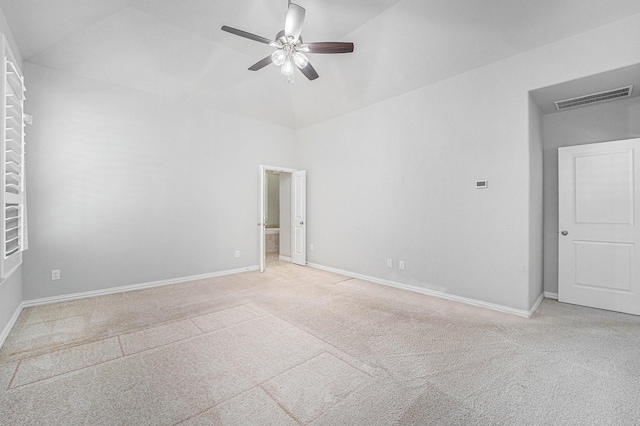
299,218
599,256
261,218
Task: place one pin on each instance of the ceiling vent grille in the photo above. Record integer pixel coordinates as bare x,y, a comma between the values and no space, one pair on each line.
622,92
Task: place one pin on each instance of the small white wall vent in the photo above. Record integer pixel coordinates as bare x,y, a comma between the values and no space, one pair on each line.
623,92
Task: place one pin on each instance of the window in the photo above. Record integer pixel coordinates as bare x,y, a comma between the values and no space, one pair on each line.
13,196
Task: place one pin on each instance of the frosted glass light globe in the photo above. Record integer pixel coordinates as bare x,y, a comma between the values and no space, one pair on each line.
278,57
300,59
287,68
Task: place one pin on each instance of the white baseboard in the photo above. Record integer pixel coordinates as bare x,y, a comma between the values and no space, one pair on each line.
285,258
10,324
112,290
435,293
536,305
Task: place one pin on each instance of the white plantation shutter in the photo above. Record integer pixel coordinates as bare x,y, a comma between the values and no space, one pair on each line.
12,164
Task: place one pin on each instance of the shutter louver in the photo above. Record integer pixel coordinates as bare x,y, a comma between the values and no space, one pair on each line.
12,164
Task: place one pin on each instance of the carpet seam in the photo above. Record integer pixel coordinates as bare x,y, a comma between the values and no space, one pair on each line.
285,409
258,385
15,373
65,373
204,333
64,349
134,331
121,348
333,346
124,356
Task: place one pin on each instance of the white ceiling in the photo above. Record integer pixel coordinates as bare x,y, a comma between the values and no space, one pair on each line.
175,48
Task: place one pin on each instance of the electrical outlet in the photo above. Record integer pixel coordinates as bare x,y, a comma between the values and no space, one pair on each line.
237,253
389,263
55,274
311,247
401,265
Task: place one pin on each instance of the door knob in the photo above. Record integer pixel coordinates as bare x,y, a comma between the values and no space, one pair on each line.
301,222
565,232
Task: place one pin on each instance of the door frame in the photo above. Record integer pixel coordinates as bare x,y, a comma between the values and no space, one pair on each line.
261,209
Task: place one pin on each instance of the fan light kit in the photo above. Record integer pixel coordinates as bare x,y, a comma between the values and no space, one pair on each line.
290,49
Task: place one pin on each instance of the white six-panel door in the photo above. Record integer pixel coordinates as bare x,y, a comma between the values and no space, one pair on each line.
599,256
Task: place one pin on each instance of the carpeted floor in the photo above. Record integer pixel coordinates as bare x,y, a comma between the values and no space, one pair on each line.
298,345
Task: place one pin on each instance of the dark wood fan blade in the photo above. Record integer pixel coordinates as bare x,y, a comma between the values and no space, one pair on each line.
330,47
245,34
261,64
309,72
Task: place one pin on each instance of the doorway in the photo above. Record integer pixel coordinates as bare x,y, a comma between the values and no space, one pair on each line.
277,228
282,216
595,123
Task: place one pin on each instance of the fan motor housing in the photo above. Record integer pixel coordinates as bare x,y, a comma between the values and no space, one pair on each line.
281,38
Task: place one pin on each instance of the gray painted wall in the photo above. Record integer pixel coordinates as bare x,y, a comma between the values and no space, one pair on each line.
397,179
598,123
128,188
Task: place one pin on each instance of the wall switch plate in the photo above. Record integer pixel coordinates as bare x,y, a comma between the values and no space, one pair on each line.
389,263
401,265
311,247
55,274
237,253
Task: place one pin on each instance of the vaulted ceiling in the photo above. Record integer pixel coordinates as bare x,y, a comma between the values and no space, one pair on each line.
175,48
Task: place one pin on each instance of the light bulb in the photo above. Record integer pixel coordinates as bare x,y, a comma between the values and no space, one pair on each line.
278,57
287,68
300,59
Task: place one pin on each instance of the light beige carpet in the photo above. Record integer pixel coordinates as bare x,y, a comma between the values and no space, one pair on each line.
301,346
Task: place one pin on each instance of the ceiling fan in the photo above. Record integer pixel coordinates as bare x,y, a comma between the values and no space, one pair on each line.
290,49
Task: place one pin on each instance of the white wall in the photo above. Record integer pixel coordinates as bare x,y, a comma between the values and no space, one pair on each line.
127,187
396,179
597,123
11,288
